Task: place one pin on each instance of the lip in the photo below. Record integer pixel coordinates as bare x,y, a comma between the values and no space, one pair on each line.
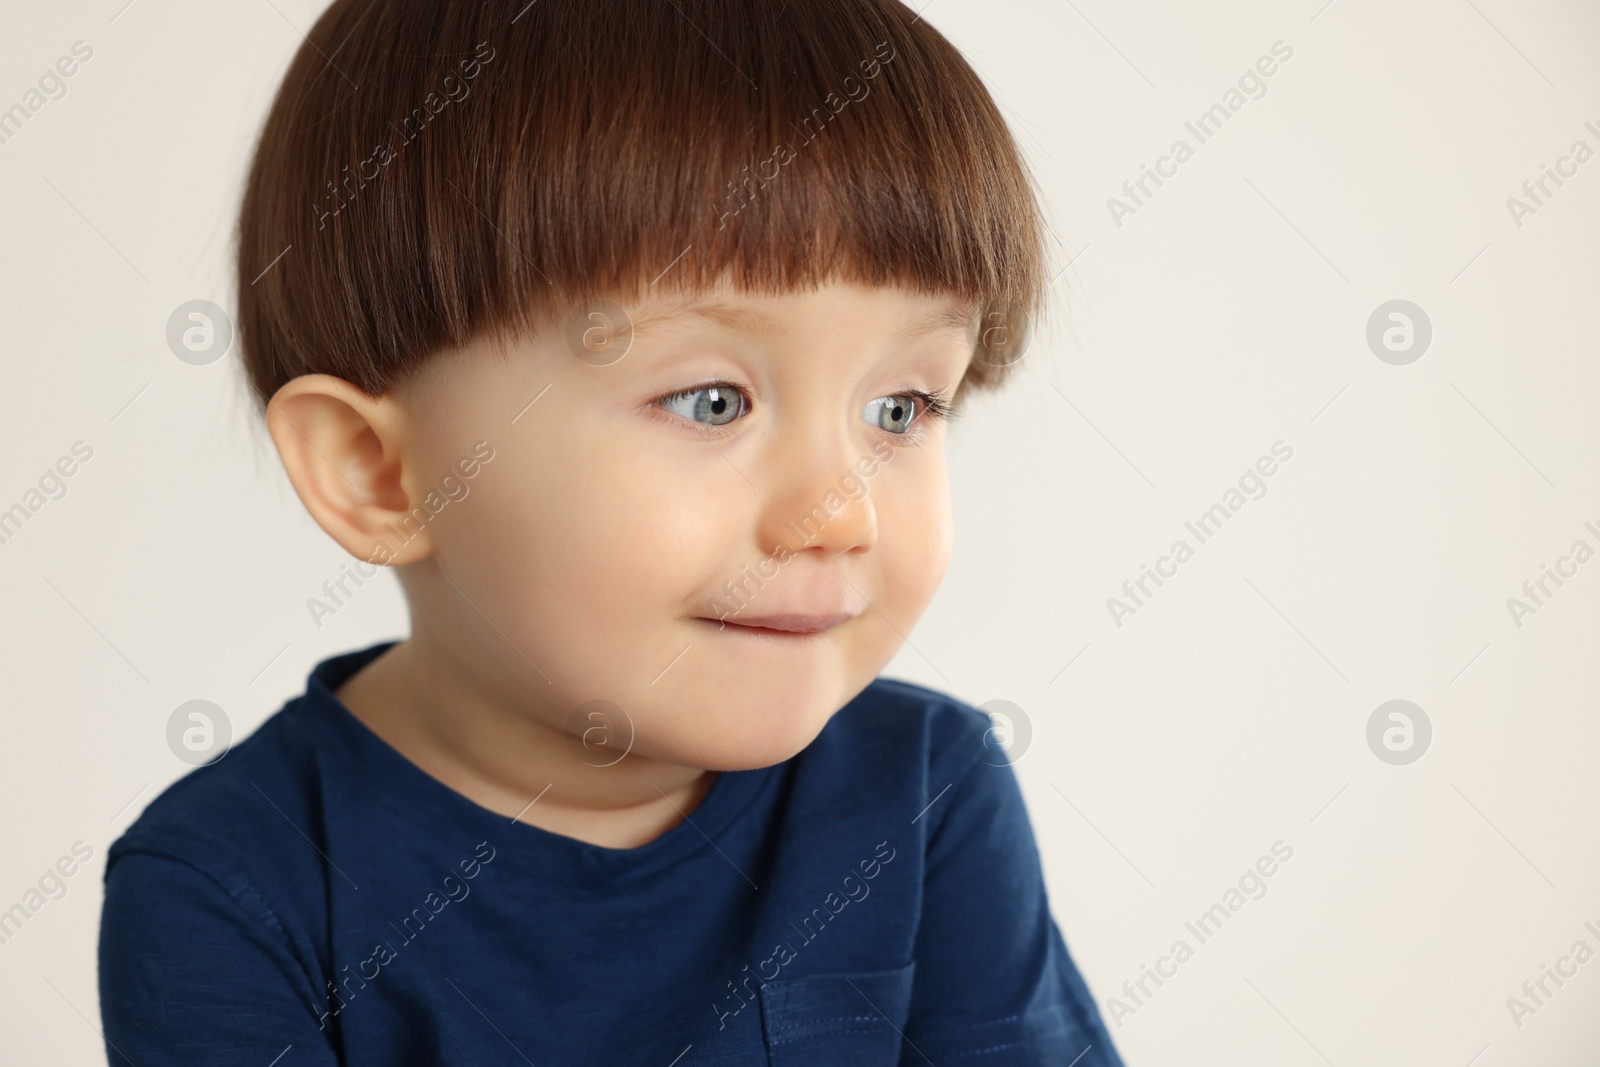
784,625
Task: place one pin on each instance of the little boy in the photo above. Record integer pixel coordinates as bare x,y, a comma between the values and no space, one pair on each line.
627,332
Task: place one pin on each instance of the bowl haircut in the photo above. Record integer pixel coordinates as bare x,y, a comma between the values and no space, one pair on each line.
433,171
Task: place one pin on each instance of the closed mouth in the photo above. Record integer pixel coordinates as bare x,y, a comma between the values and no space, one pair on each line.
792,626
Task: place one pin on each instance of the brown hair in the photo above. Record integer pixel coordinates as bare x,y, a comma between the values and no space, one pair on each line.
432,170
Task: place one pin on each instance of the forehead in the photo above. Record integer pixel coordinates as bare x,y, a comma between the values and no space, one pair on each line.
900,314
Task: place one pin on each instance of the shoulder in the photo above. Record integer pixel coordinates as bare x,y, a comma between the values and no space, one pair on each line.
231,819
905,705
893,723
214,896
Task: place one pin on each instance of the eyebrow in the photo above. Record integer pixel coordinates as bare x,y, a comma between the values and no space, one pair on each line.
722,314
954,315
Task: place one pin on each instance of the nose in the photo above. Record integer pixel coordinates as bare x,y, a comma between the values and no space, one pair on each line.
817,497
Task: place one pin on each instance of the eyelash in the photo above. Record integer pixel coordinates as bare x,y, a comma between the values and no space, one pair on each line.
933,406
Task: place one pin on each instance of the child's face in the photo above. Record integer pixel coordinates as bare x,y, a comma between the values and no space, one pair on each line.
594,552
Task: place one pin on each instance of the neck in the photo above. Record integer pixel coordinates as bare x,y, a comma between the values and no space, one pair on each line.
515,759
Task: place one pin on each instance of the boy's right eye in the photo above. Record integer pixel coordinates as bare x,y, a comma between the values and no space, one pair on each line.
716,404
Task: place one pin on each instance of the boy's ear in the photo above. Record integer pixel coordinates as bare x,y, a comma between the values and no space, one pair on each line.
343,451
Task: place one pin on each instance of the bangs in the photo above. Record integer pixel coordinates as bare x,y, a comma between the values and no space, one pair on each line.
433,171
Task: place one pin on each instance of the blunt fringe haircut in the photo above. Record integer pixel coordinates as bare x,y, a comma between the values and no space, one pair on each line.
431,171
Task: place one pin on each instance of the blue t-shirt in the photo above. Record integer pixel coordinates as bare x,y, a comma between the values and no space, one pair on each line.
315,896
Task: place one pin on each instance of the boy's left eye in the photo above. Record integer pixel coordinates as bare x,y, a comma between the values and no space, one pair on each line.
893,413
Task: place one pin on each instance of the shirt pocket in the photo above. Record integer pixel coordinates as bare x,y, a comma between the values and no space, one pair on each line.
851,1019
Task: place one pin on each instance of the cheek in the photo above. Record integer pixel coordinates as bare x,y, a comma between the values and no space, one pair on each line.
916,533
594,547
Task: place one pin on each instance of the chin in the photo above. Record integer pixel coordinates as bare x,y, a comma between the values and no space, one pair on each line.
748,740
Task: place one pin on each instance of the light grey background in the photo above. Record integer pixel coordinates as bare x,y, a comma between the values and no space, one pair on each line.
1227,313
